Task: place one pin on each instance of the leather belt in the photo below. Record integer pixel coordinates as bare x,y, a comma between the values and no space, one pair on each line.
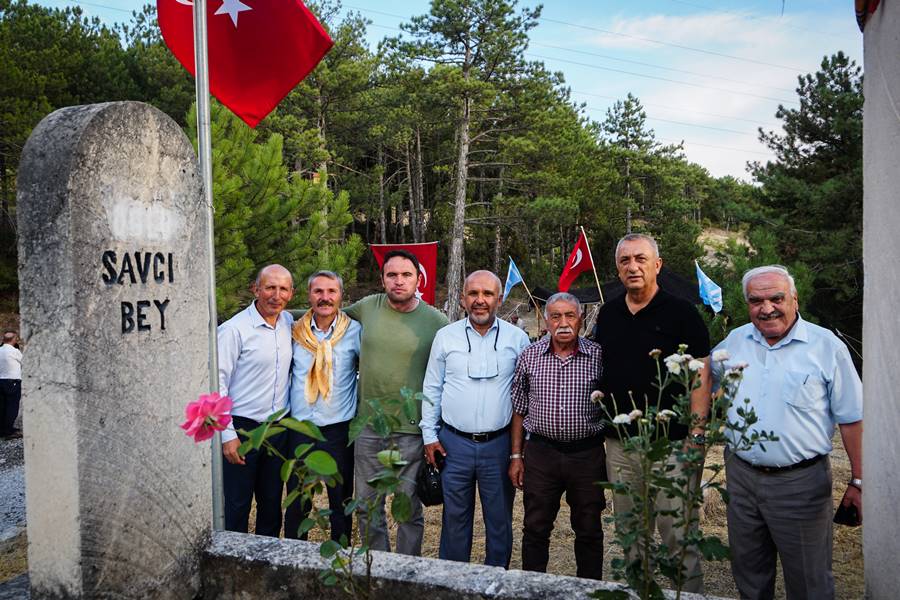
567,447
477,437
800,465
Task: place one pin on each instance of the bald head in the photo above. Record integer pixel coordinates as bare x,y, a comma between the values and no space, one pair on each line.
10,337
274,288
481,299
276,270
484,274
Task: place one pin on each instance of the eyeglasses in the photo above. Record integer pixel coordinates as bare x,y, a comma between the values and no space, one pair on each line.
490,366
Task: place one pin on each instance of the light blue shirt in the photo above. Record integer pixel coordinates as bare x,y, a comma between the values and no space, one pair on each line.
800,388
254,364
460,380
342,404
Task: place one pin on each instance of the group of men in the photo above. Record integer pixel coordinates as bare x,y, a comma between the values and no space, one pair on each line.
502,413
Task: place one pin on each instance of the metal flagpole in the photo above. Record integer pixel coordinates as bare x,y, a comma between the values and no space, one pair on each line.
593,264
204,152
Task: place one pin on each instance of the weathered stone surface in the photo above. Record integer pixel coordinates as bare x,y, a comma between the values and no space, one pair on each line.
118,498
239,566
881,327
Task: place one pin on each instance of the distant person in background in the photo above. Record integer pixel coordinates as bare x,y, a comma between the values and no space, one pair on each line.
398,329
255,371
10,385
468,382
801,382
323,391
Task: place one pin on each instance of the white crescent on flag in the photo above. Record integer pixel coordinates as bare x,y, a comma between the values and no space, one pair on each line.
424,276
577,259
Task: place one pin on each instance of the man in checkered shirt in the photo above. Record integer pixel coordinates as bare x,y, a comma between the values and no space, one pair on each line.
562,449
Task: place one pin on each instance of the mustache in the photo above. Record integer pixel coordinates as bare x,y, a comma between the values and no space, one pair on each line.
325,303
775,314
565,329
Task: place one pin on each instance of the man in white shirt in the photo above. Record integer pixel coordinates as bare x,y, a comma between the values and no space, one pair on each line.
255,371
10,385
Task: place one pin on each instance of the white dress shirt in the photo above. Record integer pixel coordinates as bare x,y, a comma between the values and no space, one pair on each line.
254,365
10,362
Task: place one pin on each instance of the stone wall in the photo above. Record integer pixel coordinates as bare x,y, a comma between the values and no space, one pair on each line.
881,326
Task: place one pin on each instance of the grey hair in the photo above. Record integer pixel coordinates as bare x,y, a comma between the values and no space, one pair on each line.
633,237
329,275
485,271
274,267
562,297
777,269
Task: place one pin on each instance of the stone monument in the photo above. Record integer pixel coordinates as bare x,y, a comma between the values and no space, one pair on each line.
113,295
881,327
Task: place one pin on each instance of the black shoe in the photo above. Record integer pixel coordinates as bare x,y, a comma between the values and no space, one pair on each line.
15,435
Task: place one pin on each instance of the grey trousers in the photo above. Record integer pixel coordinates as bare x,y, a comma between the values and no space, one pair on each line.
787,514
409,534
622,467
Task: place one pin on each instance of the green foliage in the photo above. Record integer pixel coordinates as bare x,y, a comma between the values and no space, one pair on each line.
265,215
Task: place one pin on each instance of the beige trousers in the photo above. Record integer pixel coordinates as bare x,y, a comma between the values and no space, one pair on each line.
622,467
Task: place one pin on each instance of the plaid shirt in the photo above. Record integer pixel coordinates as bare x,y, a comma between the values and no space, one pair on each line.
553,393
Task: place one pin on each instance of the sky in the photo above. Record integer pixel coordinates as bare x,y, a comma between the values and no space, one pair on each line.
708,72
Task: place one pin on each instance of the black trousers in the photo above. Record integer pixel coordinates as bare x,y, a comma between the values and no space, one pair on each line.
10,397
335,444
549,473
259,477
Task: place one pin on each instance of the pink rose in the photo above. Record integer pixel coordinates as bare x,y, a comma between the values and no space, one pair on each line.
210,413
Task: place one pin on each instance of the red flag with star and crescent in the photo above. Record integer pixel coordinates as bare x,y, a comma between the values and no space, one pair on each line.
259,50
579,262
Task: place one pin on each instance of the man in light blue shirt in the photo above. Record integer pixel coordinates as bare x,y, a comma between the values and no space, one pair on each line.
323,391
466,421
254,371
801,382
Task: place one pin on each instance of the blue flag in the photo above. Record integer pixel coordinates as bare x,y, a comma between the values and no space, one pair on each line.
513,278
710,292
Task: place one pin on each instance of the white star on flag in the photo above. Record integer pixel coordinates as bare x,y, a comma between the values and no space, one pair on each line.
232,8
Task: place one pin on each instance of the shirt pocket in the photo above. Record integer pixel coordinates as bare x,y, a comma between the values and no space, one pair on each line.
804,391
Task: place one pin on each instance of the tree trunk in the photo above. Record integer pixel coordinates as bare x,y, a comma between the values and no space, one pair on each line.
420,186
381,212
497,247
455,264
320,122
413,209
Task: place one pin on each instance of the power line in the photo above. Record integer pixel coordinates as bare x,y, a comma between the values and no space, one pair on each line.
684,110
743,150
774,20
656,77
672,45
686,124
674,70
92,4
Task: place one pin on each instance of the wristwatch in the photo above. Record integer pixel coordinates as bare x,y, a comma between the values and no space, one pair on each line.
515,455
699,439
857,483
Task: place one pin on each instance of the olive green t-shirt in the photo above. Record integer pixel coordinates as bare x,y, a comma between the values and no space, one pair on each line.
393,352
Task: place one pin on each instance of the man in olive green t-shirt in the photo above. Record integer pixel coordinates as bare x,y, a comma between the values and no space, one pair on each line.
396,341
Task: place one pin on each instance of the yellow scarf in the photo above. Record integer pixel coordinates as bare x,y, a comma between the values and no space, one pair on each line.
321,374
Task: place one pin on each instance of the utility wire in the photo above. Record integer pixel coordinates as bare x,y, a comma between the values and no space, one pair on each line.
774,20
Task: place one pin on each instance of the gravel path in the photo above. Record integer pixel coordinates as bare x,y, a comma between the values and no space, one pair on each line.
12,488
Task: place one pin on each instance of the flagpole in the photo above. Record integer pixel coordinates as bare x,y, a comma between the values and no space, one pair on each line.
587,243
527,291
204,152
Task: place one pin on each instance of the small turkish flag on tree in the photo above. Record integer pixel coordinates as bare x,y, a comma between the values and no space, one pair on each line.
579,262
257,54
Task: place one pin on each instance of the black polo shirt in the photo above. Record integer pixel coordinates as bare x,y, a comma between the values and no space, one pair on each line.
626,340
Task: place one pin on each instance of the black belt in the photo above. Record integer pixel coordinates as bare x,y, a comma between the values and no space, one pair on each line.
477,437
800,465
568,447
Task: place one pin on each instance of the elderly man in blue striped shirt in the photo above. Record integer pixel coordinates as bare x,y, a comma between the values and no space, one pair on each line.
466,420
255,370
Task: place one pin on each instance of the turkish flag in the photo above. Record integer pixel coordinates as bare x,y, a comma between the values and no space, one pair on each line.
579,262
427,255
258,52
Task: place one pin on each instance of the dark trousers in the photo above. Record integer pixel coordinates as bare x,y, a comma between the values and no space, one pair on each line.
548,473
10,396
335,444
787,515
486,463
259,477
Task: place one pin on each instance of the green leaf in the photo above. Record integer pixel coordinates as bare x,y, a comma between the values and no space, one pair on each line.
290,498
321,462
305,526
351,506
329,548
712,548
245,448
257,436
307,428
401,507
411,408
287,467
358,423
272,432
302,449
390,458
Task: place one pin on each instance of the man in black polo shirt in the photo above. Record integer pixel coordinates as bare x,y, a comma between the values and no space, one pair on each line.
628,328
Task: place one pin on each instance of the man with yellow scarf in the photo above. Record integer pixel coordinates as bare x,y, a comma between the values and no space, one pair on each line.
323,391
